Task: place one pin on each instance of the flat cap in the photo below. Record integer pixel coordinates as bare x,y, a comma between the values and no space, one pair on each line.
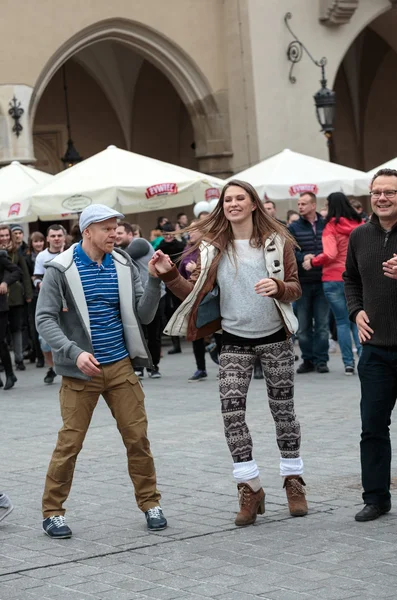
96,213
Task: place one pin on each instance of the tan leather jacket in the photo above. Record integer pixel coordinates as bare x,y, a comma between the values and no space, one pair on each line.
280,263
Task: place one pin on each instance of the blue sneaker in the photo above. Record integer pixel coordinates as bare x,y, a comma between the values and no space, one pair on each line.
155,519
55,527
198,376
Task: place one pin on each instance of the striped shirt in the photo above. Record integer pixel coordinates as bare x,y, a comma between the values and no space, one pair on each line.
101,290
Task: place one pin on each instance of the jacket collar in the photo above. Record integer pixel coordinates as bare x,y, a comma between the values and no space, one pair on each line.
319,219
87,261
374,220
64,261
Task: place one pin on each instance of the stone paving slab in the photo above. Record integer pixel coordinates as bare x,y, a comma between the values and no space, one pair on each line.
325,556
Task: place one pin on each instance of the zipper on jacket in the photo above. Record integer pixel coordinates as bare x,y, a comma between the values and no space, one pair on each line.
386,239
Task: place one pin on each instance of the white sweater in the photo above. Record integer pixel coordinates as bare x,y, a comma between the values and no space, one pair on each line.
244,312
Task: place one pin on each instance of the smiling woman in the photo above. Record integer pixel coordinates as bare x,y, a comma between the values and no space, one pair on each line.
250,256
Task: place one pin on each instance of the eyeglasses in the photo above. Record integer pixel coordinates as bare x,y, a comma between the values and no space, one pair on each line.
389,194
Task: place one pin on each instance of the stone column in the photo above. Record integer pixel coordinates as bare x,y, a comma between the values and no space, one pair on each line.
12,146
210,120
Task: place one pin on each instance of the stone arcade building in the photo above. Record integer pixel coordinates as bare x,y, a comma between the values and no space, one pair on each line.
200,83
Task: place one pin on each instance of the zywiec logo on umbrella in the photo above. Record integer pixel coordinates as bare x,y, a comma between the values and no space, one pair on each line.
212,194
301,188
161,189
76,203
14,209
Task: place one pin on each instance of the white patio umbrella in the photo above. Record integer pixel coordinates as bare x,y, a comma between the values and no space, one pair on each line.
17,179
129,182
287,174
365,180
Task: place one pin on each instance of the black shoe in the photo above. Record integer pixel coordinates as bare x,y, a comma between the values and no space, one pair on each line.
212,350
56,527
40,363
155,519
349,370
306,367
174,350
322,368
49,378
370,512
154,373
258,372
10,381
19,366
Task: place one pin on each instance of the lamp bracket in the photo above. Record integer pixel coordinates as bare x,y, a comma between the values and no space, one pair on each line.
295,52
16,111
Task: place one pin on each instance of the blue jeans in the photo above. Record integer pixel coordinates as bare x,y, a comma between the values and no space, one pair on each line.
312,310
335,293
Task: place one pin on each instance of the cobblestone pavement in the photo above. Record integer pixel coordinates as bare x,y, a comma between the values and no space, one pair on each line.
326,555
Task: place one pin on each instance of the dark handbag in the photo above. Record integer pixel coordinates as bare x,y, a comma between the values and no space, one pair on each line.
209,308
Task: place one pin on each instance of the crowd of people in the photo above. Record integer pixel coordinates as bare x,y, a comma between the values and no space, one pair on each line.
237,282
321,281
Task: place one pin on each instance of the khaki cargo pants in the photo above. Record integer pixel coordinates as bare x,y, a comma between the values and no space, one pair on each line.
123,393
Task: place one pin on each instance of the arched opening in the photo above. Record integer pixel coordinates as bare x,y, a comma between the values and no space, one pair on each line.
127,102
129,86
137,70
366,88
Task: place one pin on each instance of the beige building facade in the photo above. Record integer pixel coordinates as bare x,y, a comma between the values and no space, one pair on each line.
200,83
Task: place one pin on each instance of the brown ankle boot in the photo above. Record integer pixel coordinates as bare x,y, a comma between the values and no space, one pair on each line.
296,495
251,504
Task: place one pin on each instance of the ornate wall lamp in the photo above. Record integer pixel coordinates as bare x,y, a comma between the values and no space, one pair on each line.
324,99
71,156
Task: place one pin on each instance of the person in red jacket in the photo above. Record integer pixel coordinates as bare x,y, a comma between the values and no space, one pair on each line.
341,220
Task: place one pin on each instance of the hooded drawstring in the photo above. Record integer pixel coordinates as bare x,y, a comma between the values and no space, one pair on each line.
64,303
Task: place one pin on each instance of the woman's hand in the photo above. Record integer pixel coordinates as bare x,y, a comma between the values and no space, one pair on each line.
159,263
190,267
307,264
266,287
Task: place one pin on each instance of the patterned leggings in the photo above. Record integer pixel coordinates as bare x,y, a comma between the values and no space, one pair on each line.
236,366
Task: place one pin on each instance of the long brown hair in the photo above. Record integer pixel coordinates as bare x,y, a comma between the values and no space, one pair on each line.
216,229
12,246
35,237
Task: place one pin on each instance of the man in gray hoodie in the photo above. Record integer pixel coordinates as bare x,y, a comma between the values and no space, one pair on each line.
89,311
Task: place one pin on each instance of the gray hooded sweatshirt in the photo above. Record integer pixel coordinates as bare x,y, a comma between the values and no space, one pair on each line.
62,317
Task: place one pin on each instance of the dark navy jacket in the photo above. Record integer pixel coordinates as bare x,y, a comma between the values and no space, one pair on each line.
309,243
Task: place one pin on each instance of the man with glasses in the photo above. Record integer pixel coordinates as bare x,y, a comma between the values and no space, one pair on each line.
371,293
